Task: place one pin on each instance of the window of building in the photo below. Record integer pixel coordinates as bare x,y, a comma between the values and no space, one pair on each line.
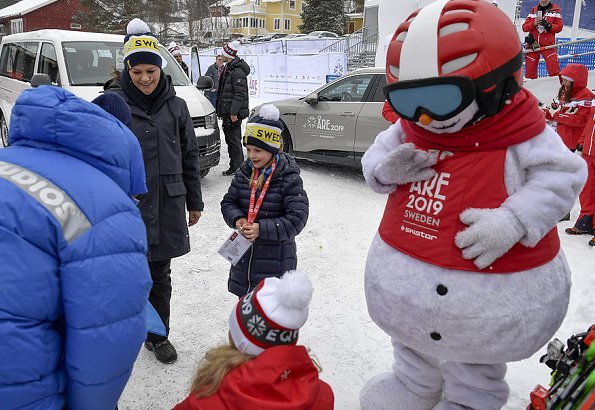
75,26
287,25
48,63
245,21
292,4
252,22
16,26
261,23
276,24
257,2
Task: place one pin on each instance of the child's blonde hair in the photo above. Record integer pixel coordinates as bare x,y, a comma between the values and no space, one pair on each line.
214,367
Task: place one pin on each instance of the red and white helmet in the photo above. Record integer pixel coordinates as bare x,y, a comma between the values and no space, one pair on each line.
469,45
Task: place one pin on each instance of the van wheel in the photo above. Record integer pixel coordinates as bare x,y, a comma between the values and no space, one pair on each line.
287,144
204,172
3,131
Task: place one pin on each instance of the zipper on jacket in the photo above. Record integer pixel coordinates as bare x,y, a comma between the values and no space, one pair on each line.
250,267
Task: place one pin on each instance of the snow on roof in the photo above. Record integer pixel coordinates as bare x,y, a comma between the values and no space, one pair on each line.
23,7
236,3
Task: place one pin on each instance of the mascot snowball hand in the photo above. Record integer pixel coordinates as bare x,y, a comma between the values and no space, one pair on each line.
466,271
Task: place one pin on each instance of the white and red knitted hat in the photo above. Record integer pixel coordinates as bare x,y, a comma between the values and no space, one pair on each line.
272,314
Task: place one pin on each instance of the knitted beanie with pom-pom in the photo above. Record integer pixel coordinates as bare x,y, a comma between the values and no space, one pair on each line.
140,45
272,314
264,130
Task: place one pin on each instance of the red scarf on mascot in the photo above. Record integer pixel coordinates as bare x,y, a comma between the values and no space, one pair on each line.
518,122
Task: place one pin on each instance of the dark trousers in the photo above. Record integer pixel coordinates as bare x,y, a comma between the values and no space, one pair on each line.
160,295
233,139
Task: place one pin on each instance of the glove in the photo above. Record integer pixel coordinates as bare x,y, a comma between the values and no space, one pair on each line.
490,234
405,164
579,147
545,24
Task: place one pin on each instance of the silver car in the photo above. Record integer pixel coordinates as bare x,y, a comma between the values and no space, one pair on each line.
338,122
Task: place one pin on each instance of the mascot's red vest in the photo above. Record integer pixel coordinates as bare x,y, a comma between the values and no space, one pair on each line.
421,219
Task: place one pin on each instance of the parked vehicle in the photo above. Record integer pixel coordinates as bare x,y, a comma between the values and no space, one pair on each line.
294,36
81,63
322,34
337,122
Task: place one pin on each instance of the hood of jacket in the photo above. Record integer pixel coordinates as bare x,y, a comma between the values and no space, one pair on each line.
52,118
578,73
238,63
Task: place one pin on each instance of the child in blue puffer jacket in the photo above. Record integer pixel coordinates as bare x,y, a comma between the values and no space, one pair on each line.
266,203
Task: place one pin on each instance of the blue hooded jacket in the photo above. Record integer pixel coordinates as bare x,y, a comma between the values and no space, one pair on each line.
74,279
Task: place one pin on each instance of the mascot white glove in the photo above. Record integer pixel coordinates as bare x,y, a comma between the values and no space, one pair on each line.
490,234
405,164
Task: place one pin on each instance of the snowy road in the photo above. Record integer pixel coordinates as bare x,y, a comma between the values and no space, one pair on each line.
344,215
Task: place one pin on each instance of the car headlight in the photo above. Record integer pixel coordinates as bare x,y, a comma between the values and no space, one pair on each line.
211,120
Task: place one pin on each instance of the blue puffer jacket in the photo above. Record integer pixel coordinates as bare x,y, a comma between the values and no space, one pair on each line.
74,279
283,214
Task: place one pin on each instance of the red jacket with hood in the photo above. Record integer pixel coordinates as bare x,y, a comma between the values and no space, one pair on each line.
552,16
280,378
571,117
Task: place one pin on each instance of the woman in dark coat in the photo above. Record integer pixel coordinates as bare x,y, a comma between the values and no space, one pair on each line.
282,214
163,125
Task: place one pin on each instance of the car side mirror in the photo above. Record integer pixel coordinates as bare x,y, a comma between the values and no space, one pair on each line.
312,99
40,79
204,83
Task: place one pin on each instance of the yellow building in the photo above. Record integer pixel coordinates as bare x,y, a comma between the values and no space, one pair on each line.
265,17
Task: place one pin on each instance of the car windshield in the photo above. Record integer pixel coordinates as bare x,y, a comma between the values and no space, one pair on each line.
92,63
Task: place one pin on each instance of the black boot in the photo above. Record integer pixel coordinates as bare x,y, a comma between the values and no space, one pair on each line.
592,242
565,217
164,351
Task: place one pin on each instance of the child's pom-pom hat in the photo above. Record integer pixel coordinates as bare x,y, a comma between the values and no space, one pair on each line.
264,130
271,314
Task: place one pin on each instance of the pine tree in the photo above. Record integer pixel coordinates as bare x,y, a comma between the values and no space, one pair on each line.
327,15
108,16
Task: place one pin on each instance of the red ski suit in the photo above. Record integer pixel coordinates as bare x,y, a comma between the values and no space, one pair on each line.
587,139
545,38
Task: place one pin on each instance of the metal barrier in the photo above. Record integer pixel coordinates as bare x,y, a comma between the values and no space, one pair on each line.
581,51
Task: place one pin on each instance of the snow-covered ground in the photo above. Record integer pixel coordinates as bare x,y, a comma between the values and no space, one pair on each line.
332,249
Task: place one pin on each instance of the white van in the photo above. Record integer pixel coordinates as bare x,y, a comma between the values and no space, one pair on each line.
81,63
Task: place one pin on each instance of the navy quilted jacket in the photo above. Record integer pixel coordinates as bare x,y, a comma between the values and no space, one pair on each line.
283,214
74,279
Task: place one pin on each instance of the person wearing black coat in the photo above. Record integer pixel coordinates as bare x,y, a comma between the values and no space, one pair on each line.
163,126
232,103
283,212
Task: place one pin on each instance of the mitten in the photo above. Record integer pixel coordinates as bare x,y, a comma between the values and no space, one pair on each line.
490,234
579,147
405,164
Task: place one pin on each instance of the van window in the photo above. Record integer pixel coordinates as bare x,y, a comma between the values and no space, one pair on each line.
18,60
93,63
48,62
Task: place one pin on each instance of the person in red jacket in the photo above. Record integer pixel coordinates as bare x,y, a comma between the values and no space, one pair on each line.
584,224
388,113
262,367
569,111
542,24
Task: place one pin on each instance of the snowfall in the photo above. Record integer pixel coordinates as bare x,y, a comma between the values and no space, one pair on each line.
332,250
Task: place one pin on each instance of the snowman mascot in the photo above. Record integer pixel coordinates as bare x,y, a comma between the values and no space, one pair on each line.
466,271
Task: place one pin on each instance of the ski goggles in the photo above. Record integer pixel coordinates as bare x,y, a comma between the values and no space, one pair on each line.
439,97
